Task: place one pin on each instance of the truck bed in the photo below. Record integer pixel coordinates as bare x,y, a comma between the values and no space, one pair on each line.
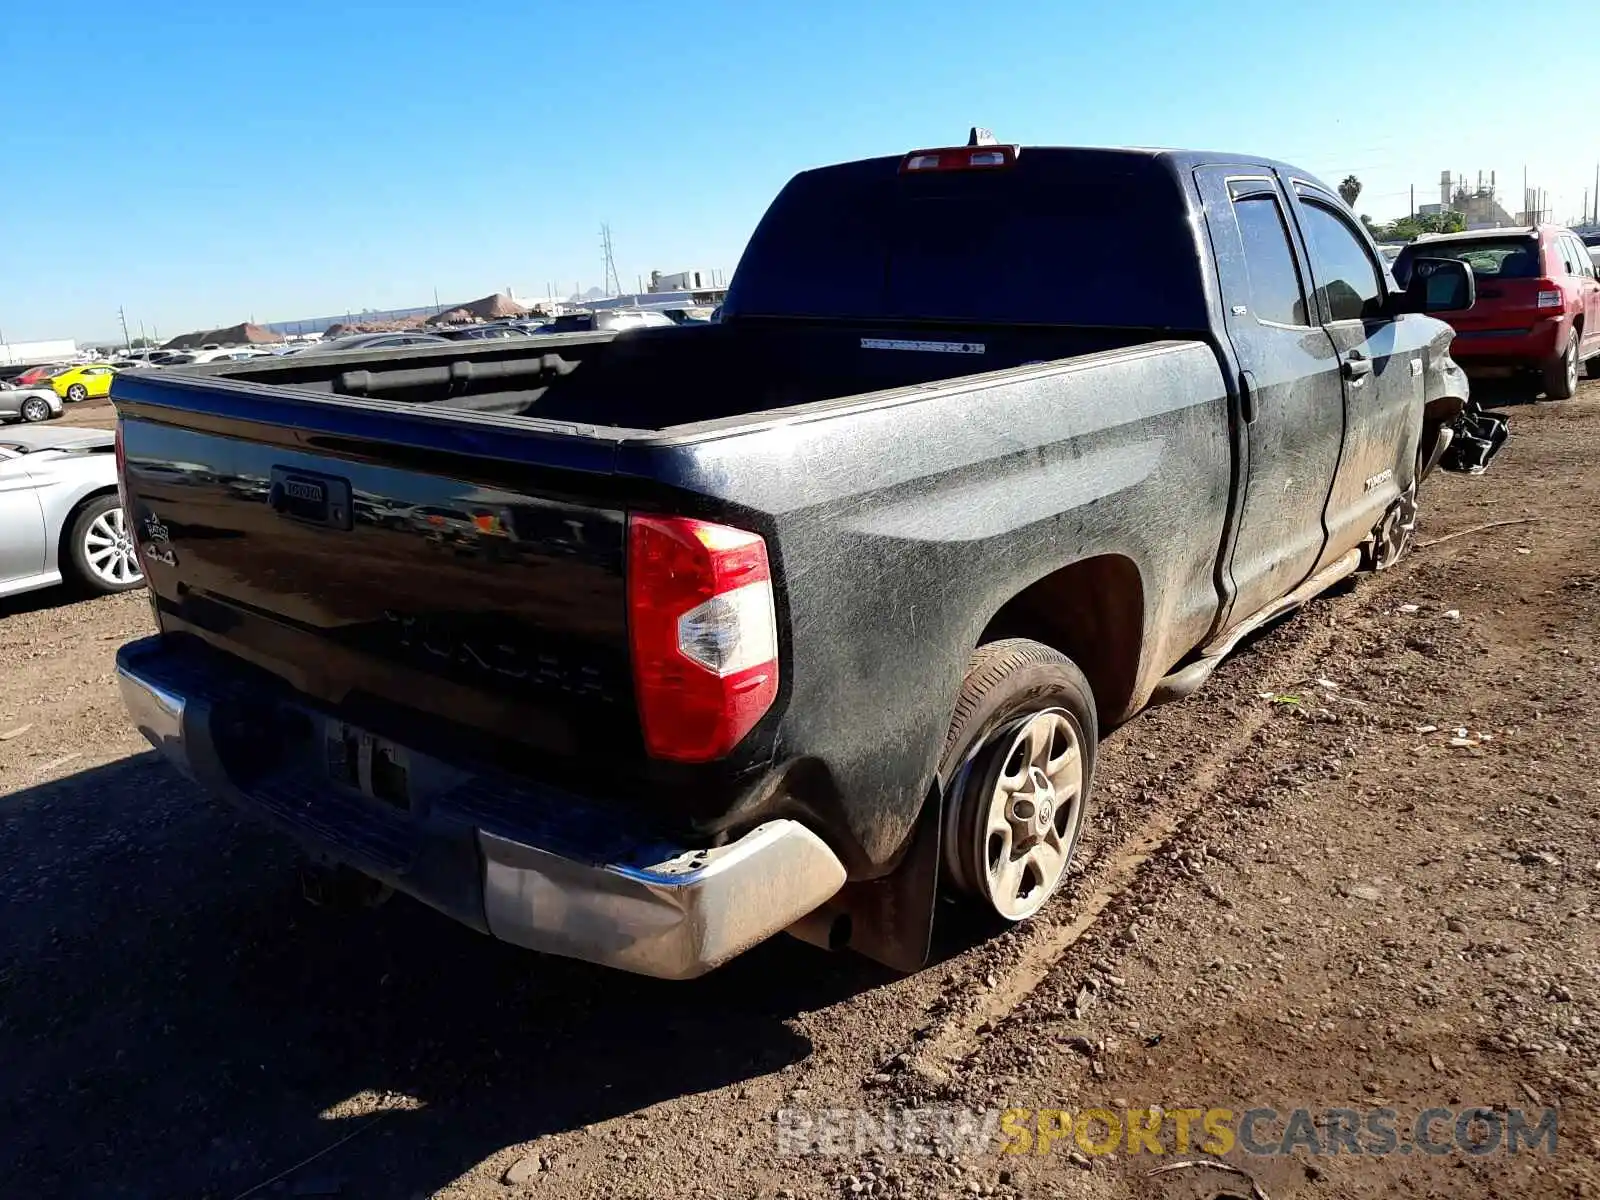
655,379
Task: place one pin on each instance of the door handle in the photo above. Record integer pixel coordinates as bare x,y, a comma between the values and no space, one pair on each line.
1247,396
1356,366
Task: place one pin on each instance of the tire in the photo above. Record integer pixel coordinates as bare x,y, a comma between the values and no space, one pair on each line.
1561,372
77,392
1014,819
99,551
35,408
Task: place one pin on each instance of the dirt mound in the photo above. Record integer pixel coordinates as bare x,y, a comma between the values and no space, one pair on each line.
340,328
243,334
489,308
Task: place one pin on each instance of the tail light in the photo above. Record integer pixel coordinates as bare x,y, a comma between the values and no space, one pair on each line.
703,632
1550,295
960,158
122,476
127,510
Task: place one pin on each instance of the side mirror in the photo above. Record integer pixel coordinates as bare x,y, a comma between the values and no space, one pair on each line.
1439,285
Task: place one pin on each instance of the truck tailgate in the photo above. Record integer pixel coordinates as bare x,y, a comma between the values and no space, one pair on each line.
410,570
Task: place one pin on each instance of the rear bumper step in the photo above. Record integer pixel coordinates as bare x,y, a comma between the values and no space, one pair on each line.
536,868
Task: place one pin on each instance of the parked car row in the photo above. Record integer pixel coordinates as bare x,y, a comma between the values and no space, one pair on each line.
37,394
601,321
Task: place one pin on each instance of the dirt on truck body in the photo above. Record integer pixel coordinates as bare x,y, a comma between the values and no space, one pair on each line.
841,591
1357,871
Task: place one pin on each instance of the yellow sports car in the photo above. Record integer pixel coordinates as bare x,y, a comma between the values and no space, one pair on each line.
83,380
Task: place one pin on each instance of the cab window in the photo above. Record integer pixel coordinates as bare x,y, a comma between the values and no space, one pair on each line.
1347,279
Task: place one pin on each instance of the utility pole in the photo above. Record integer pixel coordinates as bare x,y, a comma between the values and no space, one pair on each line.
610,283
1413,200
436,309
121,316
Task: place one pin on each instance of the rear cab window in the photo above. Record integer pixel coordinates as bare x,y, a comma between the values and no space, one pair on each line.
1061,237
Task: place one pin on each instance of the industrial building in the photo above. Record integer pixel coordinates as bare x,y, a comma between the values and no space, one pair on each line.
34,354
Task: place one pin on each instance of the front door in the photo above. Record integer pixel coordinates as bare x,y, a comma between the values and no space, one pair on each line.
1292,403
1380,362
1381,366
21,527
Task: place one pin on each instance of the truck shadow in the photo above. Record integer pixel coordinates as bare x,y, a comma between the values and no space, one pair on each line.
1511,392
176,1021
56,596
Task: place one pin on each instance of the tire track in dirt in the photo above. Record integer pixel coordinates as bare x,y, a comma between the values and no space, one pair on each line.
955,1037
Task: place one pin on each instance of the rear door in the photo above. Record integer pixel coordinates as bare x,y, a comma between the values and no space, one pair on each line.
1380,366
1581,267
1292,400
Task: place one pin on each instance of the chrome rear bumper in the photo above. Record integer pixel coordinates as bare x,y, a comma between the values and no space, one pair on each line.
640,906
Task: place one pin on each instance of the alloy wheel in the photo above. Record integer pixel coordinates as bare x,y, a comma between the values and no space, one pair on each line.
1029,815
108,549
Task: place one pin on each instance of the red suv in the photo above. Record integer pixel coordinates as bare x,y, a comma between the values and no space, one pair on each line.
1538,303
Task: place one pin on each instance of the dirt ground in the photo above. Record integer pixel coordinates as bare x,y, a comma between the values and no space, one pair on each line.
1358,871
86,414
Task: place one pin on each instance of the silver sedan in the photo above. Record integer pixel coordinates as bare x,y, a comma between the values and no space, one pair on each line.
29,404
60,517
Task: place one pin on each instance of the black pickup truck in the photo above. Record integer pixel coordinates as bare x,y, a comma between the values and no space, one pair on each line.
641,648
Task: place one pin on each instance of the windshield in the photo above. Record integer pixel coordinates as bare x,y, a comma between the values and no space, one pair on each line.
1489,258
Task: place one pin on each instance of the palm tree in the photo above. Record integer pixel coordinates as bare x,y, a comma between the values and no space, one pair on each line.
1350,189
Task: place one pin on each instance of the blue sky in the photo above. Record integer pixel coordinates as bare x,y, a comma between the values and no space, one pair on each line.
201,164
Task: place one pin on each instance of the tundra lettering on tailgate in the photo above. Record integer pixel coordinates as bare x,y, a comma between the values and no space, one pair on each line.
311,497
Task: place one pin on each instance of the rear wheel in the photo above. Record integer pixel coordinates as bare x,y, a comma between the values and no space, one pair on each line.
34,408
1019,758
1561,373
100,548
77,392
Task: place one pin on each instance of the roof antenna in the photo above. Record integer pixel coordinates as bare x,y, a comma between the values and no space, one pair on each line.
981,137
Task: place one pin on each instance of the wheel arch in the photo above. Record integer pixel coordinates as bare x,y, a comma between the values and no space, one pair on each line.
69,518
1093,610
1438,415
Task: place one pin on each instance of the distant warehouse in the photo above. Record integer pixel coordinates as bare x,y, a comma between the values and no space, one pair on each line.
30,354
685,281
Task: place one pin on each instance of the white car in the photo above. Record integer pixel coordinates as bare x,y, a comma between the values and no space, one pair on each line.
60,518
29,404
